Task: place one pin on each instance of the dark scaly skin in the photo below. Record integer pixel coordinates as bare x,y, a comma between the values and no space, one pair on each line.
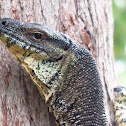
64,72
120,106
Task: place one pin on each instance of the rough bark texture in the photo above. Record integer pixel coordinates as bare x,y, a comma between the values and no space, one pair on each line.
89,22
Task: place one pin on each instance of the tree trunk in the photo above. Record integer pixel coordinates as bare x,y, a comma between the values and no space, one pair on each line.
89,22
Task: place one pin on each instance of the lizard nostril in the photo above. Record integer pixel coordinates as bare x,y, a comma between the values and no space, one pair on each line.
4,23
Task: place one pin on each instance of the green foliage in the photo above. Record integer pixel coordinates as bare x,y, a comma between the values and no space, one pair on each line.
120,39
119,31
122,79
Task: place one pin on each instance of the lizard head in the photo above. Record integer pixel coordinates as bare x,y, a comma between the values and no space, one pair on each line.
39,50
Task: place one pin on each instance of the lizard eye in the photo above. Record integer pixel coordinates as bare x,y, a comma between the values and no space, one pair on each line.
37,35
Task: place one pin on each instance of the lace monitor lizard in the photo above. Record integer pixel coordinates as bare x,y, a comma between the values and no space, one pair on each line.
120,106
64,72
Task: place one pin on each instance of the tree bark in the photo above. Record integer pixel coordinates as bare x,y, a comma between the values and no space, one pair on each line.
89,22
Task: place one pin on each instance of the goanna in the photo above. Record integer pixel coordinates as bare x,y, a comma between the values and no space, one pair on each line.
64,72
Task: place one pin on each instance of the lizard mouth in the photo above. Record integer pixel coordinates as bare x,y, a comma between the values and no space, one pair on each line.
19,46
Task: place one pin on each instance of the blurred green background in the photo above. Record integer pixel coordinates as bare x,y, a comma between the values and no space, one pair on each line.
119,12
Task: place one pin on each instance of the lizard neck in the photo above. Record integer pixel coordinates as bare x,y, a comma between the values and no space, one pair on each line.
78,99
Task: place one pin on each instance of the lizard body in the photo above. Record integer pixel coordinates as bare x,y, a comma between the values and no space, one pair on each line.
64,72
120,106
